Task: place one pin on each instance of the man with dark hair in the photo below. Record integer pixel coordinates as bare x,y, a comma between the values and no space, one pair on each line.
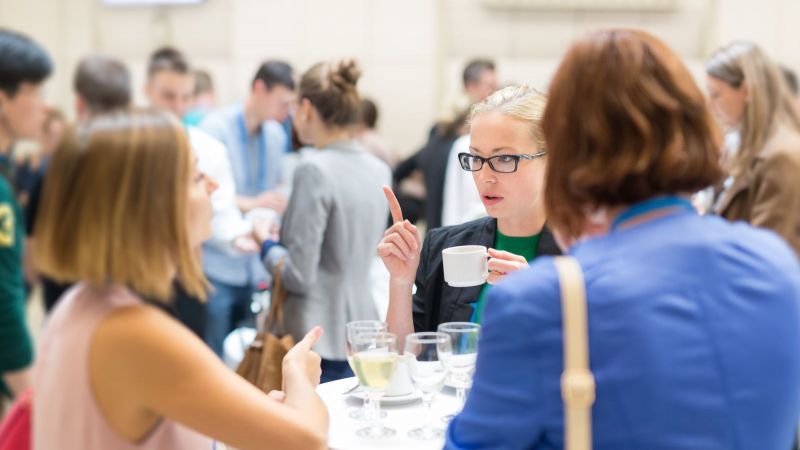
480,79
170,86
256,141
24,66
102,84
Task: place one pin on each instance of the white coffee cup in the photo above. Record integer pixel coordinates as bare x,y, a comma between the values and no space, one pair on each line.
465,265
401,380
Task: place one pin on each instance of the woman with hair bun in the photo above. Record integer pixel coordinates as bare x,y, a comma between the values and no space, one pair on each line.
335,218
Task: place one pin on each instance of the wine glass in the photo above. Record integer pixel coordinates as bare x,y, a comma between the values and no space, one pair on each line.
353,329
460,360
375,361
427,371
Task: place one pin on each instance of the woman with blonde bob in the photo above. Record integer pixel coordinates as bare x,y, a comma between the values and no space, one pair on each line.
693,322
507,158
750,95
123,215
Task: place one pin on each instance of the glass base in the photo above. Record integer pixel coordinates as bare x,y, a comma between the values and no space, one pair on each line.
426,433
361,414
372,433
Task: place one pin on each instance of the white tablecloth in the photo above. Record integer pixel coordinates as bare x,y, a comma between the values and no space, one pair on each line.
342,434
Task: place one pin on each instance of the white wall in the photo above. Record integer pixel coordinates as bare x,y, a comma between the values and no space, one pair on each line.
412,50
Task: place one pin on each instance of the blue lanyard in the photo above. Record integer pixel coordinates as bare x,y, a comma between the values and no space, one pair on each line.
261,183
649,206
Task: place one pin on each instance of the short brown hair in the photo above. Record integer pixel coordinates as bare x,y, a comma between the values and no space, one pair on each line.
103,82
331,88
474,69
115,206
167,59
624,122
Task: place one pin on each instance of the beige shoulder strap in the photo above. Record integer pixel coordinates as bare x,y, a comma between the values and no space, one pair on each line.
577,381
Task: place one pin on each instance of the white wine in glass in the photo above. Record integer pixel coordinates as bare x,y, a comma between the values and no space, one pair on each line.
375,361
375,368
354,329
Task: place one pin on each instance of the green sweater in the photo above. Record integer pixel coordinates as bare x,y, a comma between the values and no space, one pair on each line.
16,349
523,246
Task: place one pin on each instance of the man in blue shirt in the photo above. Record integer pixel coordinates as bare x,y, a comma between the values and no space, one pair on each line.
256,141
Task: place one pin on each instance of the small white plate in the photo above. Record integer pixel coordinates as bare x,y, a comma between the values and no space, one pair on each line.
393,400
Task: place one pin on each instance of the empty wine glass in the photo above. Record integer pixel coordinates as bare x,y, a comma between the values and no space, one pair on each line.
375,360
353,329
460,360
427,371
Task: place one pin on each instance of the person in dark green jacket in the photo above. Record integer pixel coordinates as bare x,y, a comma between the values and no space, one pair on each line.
24,65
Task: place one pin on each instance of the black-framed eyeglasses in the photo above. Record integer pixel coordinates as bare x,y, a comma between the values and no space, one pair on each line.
498,163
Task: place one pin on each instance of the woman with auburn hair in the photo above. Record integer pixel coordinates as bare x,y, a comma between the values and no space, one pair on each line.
693,322
123,215
750,95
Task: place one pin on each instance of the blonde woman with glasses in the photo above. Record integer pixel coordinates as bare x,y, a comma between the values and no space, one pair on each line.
507,159
750,96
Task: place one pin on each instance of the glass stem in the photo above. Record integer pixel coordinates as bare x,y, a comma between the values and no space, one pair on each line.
461,394
366,408
376,414
427,428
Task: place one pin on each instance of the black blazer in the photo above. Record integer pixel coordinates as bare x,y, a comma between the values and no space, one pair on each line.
437,302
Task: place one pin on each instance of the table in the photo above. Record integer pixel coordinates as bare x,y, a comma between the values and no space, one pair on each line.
342,434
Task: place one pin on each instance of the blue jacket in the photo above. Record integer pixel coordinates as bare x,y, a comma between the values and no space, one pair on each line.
694,335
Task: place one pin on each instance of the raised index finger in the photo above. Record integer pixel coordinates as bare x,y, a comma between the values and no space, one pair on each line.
394,205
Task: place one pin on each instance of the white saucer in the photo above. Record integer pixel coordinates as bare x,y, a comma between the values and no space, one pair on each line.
466,283
414,396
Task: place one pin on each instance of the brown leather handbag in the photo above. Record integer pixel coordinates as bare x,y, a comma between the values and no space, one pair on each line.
577,381
263,360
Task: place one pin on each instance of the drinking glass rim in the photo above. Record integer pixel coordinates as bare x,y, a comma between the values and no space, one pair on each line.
359,323
378,337
427,337
458,327
364,326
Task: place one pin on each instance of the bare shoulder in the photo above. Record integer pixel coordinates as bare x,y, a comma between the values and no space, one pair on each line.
144,341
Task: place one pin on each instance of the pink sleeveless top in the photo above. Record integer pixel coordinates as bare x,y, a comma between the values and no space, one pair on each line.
65,414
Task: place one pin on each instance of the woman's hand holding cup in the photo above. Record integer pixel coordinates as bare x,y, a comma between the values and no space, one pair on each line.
503,263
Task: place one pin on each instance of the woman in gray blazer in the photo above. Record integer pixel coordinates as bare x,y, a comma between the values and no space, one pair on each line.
335,218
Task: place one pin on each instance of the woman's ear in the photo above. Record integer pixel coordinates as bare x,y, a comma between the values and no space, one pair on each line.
305,110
